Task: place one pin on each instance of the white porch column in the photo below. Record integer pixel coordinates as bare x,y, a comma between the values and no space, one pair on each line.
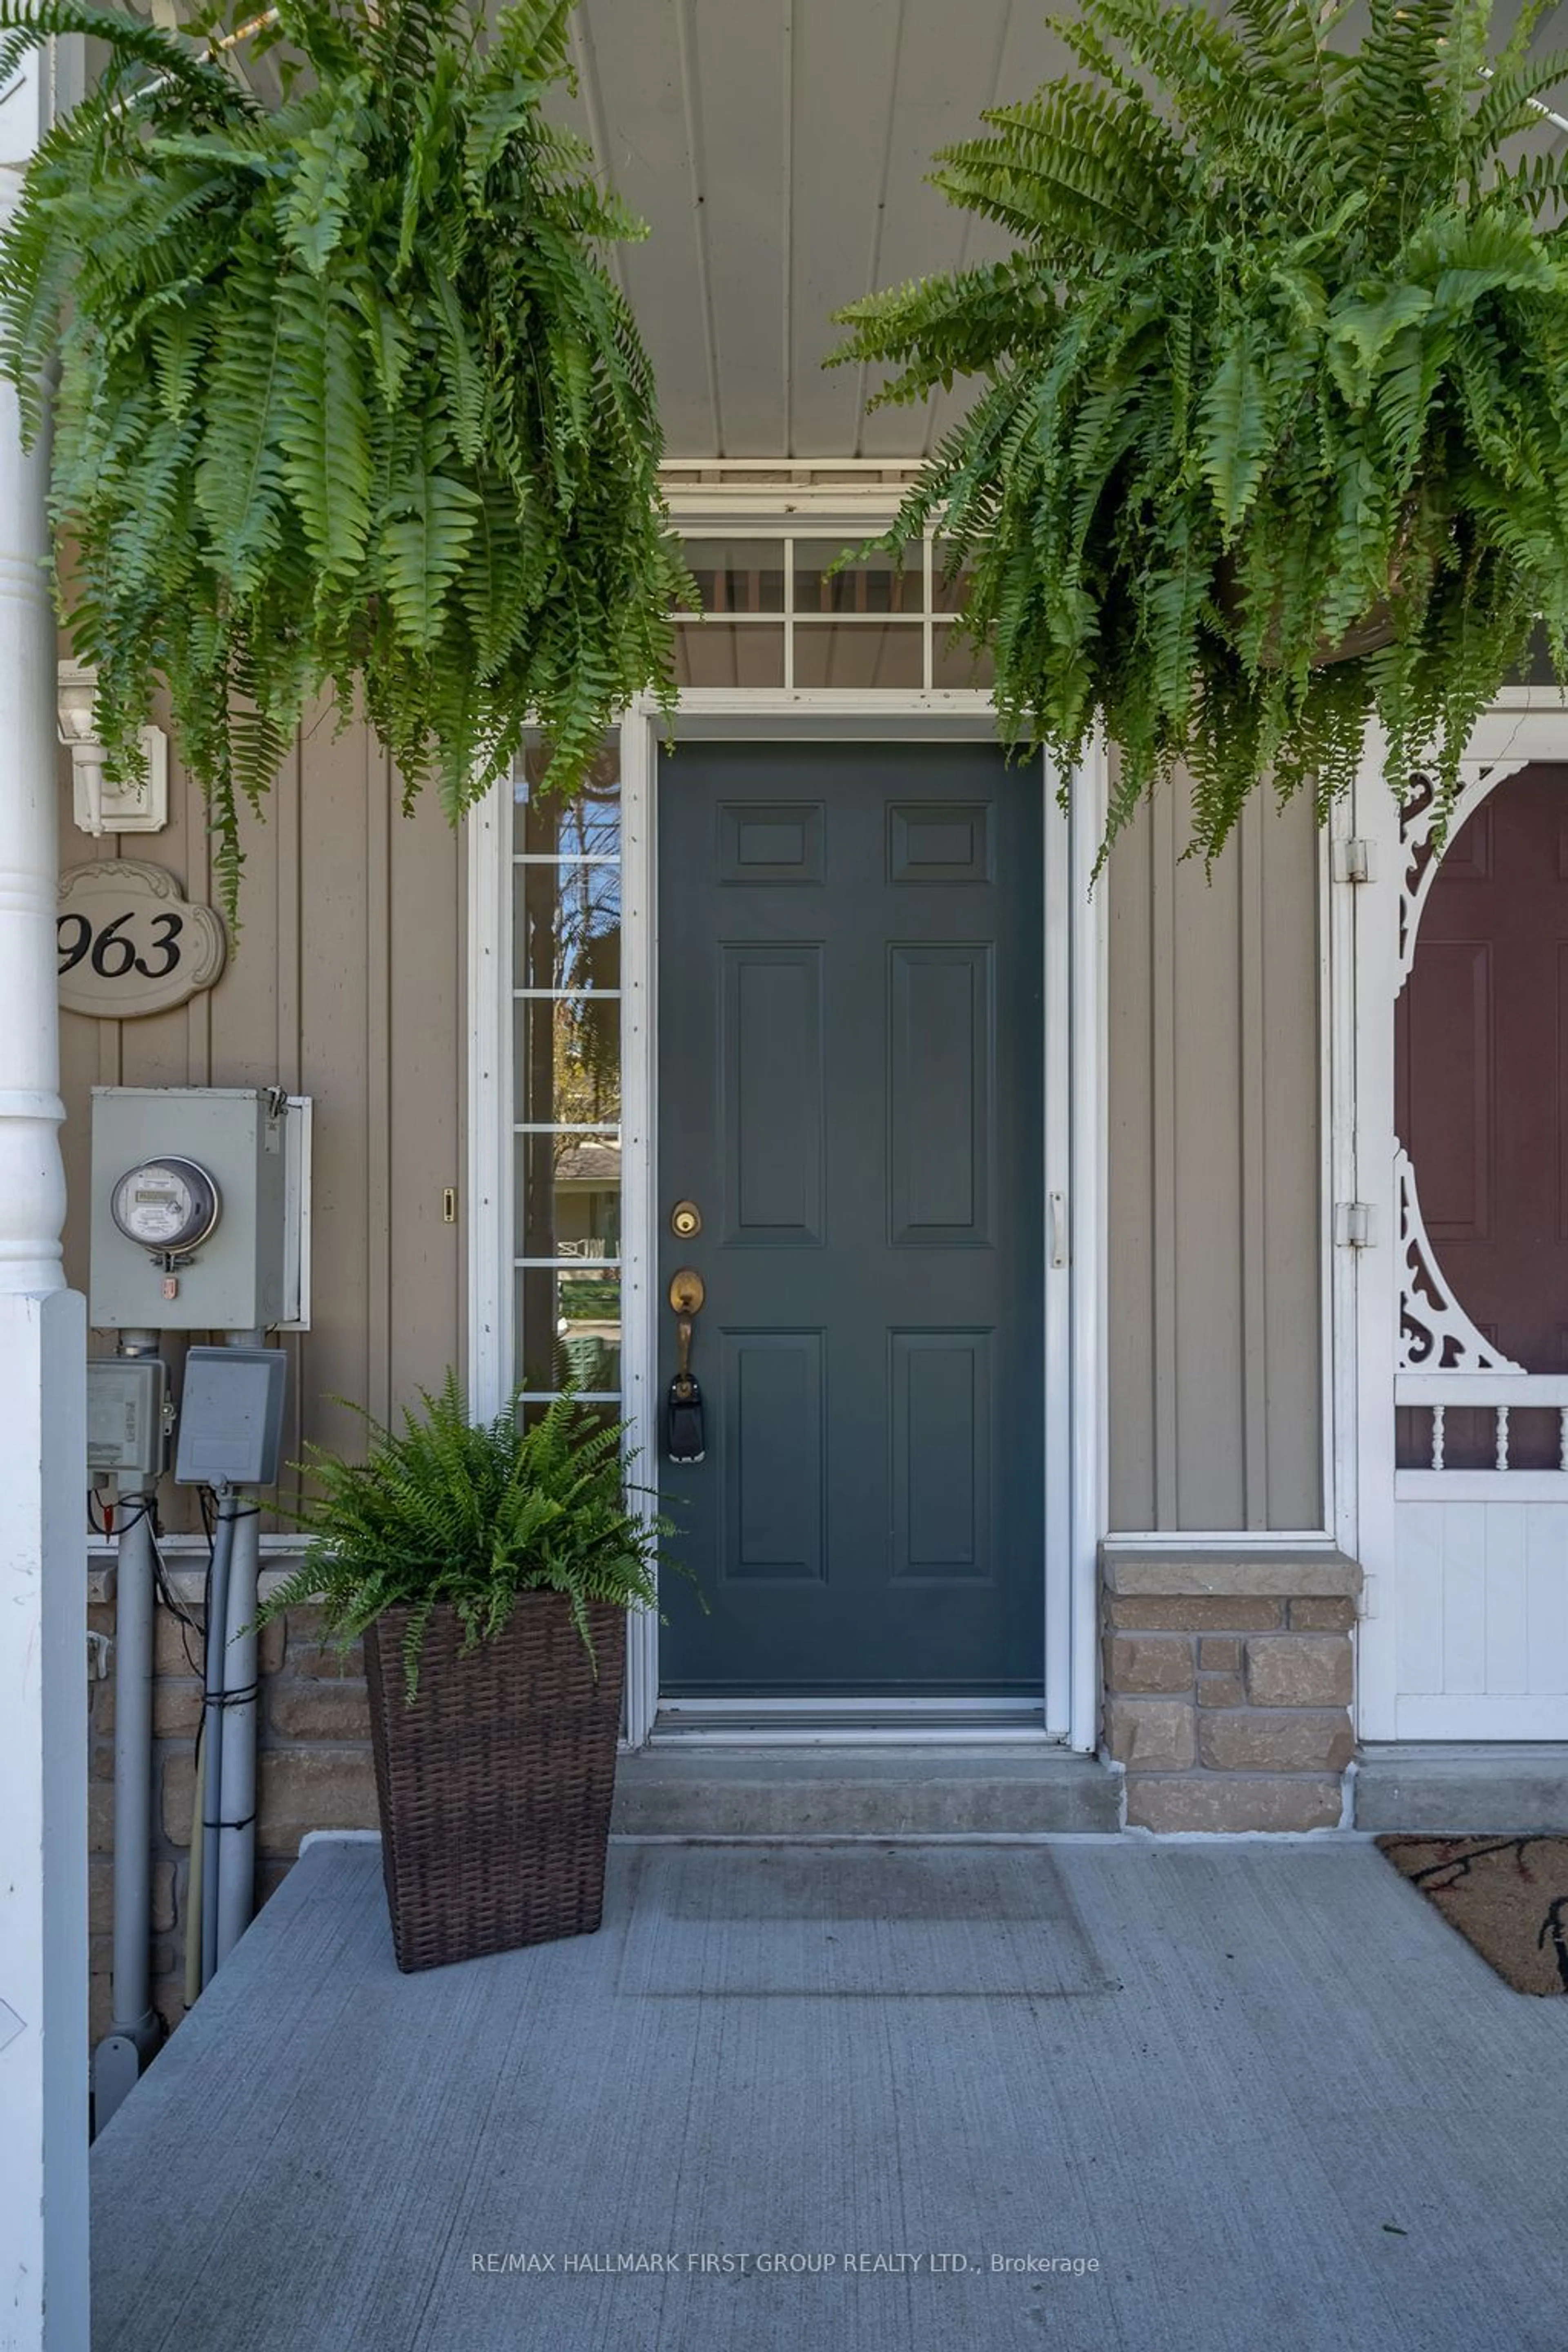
43,1567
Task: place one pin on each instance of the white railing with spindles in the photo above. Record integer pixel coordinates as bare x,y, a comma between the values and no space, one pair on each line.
1501,1394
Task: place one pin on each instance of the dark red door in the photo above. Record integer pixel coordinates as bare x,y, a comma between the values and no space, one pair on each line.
1481,1085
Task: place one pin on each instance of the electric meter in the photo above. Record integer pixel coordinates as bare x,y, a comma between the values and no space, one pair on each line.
200,1210
166,1205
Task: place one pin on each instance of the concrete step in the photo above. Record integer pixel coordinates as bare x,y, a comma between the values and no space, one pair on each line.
690,1788
1462,1788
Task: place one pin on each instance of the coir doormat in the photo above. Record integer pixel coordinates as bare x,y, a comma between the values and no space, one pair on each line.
1506,1895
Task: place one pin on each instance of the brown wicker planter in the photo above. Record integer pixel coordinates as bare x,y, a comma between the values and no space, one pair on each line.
495,1786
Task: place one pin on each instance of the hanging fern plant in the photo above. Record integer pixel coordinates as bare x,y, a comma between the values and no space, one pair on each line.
348,399
1272,429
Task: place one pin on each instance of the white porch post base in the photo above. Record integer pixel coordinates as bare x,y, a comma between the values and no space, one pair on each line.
43,1825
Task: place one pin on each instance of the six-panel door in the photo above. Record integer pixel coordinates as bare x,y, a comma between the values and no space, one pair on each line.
850,1089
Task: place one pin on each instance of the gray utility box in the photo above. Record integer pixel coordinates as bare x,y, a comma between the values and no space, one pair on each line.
231,1417
244,1271
124,1417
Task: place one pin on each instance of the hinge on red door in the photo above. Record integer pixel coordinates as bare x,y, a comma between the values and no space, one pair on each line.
1352,861
1353,1224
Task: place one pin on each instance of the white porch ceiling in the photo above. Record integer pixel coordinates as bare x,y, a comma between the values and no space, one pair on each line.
777,150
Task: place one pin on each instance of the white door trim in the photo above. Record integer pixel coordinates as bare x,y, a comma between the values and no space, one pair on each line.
1074,1307
1083,1408
1337,1029
488,1235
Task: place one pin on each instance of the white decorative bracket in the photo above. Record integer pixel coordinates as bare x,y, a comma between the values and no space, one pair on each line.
141,805
1421,852
1435,1335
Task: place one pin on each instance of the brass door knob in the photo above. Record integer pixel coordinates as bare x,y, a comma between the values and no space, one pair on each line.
687,1291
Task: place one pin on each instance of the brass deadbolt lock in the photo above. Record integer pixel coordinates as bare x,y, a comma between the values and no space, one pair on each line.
686,1220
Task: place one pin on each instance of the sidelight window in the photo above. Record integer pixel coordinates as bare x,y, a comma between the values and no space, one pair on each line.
566,1080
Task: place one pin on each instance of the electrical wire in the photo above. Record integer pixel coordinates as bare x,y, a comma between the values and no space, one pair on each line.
144,1509
171,1603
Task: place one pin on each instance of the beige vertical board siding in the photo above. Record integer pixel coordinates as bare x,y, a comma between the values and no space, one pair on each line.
346,985
1296,1218
336,852
1213,1179
1130,1183
1206,1110
426,1026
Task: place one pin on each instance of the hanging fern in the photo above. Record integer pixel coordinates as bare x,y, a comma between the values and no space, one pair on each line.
348,399
1271,435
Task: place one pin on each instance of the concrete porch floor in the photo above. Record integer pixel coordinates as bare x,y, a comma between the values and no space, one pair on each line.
1228,2074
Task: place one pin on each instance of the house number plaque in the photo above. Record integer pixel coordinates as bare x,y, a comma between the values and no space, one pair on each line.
130,943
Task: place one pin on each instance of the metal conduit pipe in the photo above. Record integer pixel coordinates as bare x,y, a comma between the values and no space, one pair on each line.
228,1507
134,1601
194,1883
132,2035
235,1896
236,1839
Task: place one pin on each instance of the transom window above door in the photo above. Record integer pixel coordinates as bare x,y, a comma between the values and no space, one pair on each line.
775,615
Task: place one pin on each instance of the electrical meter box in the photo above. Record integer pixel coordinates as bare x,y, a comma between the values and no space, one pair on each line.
231,1417
200,1209
124,1417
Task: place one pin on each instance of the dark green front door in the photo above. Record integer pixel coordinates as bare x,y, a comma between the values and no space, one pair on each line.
850,1089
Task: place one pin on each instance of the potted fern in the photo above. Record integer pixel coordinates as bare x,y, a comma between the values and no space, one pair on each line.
348,400
1271,430
488,1568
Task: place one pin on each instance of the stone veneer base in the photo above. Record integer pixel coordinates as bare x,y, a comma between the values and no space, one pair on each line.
1228,1675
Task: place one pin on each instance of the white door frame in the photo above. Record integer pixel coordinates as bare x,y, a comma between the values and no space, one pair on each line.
1525,724
1074,948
